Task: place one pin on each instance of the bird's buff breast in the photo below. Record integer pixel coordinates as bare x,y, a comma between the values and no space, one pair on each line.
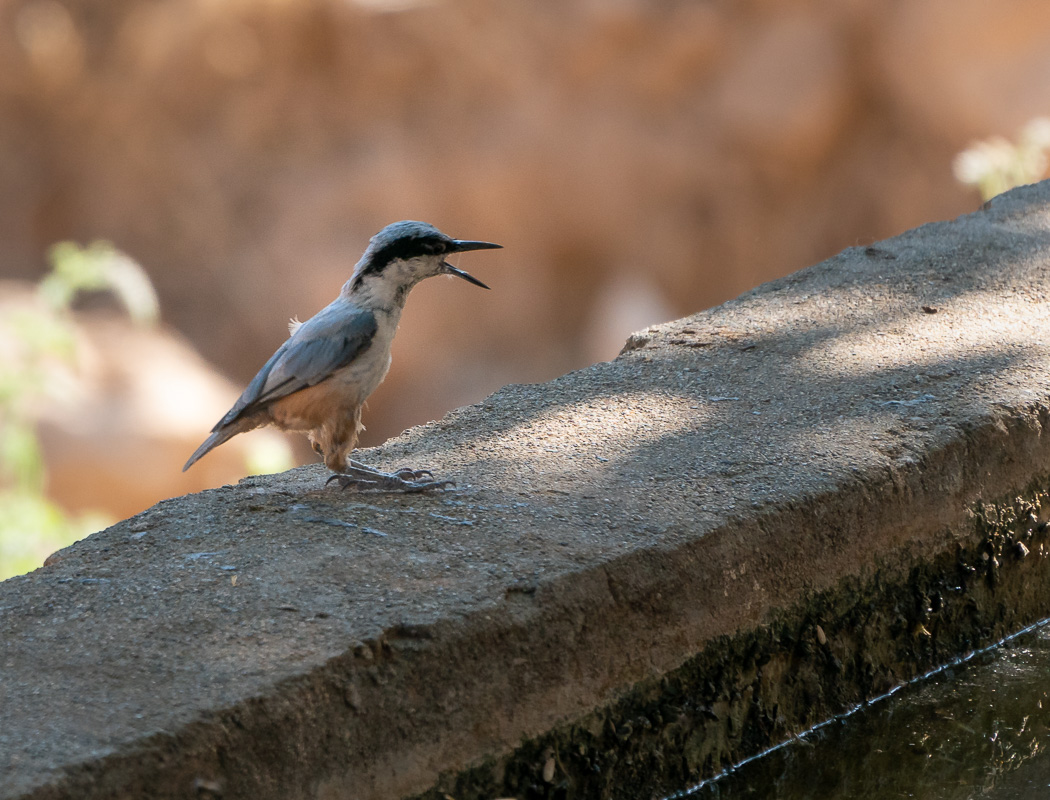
338,396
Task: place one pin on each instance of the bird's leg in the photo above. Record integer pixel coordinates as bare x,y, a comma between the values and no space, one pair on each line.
338,445
364,477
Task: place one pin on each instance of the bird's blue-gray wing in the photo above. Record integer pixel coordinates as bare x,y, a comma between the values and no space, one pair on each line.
321,346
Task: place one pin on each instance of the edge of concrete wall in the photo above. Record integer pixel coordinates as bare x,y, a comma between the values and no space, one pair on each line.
626,588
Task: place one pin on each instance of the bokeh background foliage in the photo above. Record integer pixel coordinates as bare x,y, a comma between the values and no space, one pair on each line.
38,342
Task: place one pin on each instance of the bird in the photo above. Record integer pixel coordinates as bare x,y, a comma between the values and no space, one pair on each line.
319,378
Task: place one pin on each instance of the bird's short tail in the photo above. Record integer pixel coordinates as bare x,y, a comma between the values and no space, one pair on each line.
217,438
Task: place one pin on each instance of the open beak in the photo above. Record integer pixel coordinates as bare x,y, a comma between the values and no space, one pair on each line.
451,270
461,246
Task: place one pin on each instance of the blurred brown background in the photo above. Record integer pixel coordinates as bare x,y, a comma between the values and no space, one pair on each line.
638,160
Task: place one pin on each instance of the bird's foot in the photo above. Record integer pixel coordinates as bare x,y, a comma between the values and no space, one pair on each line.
405,473
363,477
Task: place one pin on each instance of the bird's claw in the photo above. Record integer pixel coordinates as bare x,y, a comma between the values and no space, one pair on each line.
363,478
391,483
408,474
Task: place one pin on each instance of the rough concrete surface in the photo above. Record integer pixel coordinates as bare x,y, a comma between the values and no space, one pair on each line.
280,639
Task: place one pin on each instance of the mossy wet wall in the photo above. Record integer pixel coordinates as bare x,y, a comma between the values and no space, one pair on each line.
824,656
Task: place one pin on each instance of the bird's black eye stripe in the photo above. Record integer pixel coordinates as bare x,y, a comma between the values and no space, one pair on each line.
405,248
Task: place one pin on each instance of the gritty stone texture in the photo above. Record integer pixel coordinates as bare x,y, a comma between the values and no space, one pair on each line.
280,639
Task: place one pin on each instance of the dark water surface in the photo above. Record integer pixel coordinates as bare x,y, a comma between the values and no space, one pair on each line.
977,729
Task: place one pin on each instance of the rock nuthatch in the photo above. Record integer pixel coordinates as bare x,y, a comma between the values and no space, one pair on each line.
318,380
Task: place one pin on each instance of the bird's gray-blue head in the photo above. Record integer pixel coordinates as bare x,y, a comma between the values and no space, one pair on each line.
406,252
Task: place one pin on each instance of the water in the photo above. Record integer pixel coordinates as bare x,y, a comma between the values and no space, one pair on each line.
977,729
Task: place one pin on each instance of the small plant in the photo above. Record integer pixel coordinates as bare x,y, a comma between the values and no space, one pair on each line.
37,352
996,164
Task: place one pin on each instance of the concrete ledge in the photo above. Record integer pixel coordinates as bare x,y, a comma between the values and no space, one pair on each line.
754,517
